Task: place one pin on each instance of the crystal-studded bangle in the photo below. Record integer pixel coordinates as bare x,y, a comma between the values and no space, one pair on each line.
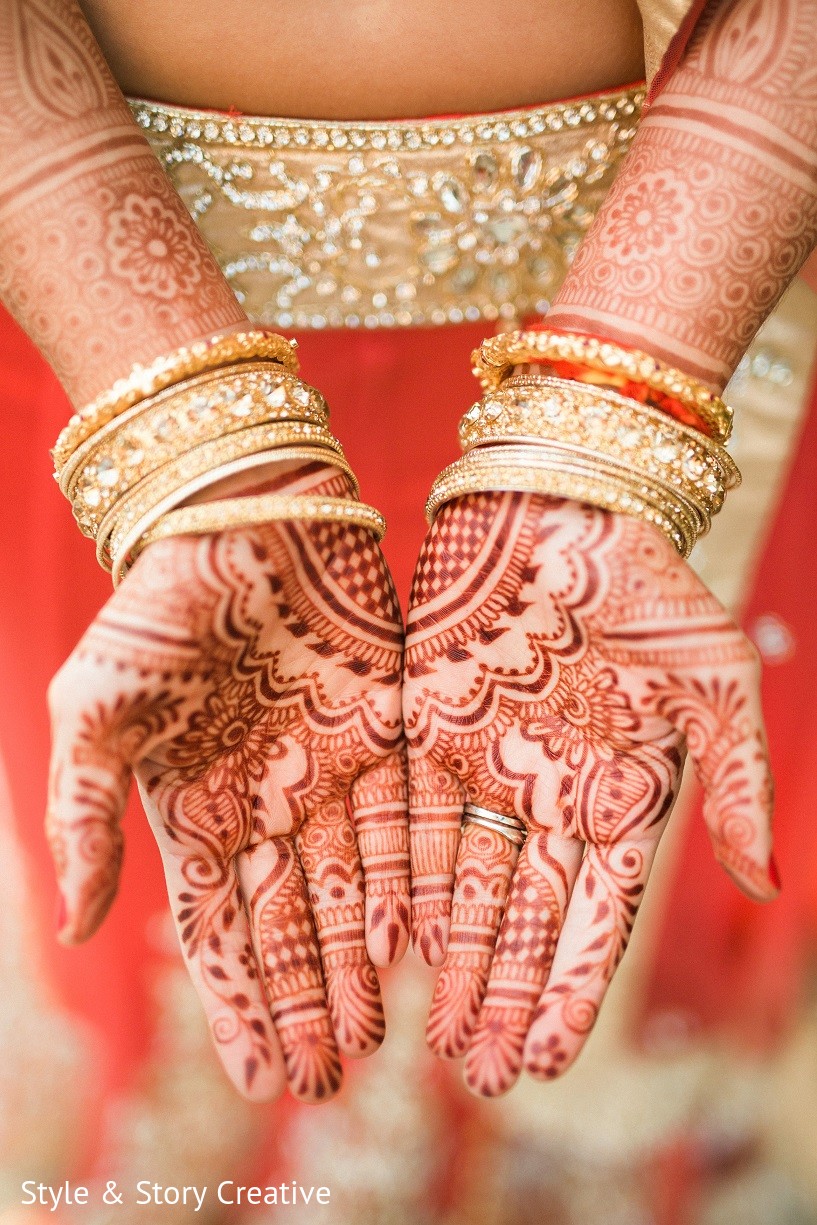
498,355
170,485
602,423
152,433
145,381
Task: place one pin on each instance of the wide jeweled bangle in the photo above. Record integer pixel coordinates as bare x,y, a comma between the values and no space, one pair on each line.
145,381
540,434
141,440
594,360
157,444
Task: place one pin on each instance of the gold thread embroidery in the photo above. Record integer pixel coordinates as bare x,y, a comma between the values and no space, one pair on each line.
399,223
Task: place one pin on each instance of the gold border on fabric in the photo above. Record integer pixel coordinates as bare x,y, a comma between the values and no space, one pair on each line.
398,223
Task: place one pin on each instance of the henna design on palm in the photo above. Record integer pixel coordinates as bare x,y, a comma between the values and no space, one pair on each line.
251,682
560,663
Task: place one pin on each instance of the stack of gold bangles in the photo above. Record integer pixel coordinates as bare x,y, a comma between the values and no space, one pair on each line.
131,459
581,437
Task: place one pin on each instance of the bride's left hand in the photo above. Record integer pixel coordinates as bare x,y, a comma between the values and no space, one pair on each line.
560,662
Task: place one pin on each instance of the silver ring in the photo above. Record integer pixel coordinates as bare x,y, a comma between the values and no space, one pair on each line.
509,827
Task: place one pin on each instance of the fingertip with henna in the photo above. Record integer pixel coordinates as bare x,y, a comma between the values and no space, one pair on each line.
429,933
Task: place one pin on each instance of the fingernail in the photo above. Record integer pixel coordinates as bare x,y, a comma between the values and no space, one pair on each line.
774,872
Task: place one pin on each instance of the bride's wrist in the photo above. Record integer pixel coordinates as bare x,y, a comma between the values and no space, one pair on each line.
180,447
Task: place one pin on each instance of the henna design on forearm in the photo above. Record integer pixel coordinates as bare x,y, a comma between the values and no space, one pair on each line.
100,261
558,669
715,208
252,682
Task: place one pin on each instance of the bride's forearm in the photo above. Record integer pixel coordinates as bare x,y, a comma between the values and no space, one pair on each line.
99,259
715,208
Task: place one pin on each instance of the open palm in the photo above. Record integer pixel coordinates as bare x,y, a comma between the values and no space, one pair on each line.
251,681
560,661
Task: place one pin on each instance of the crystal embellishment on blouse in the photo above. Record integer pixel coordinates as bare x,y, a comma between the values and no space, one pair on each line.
399,223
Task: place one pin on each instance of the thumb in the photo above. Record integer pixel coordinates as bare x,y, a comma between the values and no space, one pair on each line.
88,787
722,721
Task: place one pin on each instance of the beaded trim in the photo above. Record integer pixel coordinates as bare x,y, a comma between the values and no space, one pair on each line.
321,135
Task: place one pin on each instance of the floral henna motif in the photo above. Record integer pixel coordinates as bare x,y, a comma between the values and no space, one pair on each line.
152,248
715,208
251,680
100,261
558,670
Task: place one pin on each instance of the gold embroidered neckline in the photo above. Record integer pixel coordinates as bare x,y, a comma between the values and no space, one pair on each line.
396,223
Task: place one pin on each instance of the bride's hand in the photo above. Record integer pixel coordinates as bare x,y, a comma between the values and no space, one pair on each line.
560,662
251,682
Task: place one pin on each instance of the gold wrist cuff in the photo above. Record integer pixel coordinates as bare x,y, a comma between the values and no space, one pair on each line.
497,355
146,381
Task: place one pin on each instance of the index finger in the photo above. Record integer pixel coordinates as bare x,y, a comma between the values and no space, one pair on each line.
597,929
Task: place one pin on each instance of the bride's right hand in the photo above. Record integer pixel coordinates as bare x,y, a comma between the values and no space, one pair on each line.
251,682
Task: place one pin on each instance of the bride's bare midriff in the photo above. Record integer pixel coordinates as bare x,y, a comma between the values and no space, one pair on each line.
367,59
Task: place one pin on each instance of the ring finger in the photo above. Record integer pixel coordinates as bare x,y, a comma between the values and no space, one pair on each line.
286,947
485,863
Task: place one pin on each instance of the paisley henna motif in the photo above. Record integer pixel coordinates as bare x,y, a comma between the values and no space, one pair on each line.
559,670
251,681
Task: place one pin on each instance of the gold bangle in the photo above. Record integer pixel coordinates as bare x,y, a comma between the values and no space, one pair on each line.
526,469
545,456
497,355
152,433
605,423
229,513
145,381
553,482
204,461
129,547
